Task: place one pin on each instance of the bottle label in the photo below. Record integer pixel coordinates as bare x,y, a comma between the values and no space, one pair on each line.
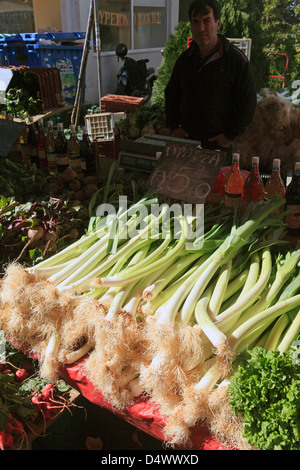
230,198
83,164
42,153
75,163
62,159
51,156
293,218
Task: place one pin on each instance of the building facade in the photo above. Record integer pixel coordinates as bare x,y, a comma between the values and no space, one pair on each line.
143,25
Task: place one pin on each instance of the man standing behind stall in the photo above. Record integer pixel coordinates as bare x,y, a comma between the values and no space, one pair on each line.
211,94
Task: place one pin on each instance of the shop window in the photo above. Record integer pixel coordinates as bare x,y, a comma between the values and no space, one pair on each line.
16,17
149,24
140,24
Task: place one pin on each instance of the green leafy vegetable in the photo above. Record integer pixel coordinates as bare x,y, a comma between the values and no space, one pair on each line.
265,390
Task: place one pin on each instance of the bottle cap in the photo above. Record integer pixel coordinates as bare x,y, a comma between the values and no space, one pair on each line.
72,127
60,125
50,123
297,166
40,121
235,156
255,160
276,162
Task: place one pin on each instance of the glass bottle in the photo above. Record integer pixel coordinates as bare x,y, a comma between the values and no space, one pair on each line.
42,151
292,197
50,148
74,151
61,148
234,183
33,142
275,185
87,155
16,152
24,143
253,190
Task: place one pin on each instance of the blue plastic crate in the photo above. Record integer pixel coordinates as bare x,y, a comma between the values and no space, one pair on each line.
68,60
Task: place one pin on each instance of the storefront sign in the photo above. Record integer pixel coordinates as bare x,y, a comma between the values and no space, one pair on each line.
16,22
186,173
109,18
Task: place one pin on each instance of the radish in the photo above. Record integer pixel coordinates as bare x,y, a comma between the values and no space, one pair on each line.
21,374
34,234
14,426
47,391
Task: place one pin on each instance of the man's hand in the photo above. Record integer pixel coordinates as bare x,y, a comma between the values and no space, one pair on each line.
221,140
180,133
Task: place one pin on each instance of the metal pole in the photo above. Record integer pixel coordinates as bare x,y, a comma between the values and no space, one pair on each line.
98,49
81,80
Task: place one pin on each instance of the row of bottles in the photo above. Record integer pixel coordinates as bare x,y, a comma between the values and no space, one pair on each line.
53,150
252,189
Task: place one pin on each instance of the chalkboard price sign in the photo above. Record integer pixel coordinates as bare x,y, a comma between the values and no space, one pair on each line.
186,173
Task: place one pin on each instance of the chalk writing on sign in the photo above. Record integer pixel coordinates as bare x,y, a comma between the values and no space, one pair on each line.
186,173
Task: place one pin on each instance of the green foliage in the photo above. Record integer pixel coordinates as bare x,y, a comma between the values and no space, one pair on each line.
265,390
175,45
273,27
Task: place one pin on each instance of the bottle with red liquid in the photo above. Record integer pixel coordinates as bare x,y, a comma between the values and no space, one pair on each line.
253,190
42,147
234,183
275,185
292,197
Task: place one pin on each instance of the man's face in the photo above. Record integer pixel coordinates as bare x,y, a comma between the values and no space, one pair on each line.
204,30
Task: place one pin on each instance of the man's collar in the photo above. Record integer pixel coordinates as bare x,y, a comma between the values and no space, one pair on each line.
219,47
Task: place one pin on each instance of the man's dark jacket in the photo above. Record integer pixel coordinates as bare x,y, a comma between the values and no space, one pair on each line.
211,97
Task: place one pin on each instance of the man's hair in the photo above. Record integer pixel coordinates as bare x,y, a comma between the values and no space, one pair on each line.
202,7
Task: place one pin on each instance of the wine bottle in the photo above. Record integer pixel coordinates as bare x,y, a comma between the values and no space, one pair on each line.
292,197
42,151
253,190
24,143
87,155
275,185
74,151
234,183
50,148
33,142
61,148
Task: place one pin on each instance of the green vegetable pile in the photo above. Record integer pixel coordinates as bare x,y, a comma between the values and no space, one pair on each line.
60,221
20,181
265,390
23,95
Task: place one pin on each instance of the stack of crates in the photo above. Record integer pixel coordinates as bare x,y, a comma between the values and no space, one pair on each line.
49,50
48,79
120,103
119,106
100,129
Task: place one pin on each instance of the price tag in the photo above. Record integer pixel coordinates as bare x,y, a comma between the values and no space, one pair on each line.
186,173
